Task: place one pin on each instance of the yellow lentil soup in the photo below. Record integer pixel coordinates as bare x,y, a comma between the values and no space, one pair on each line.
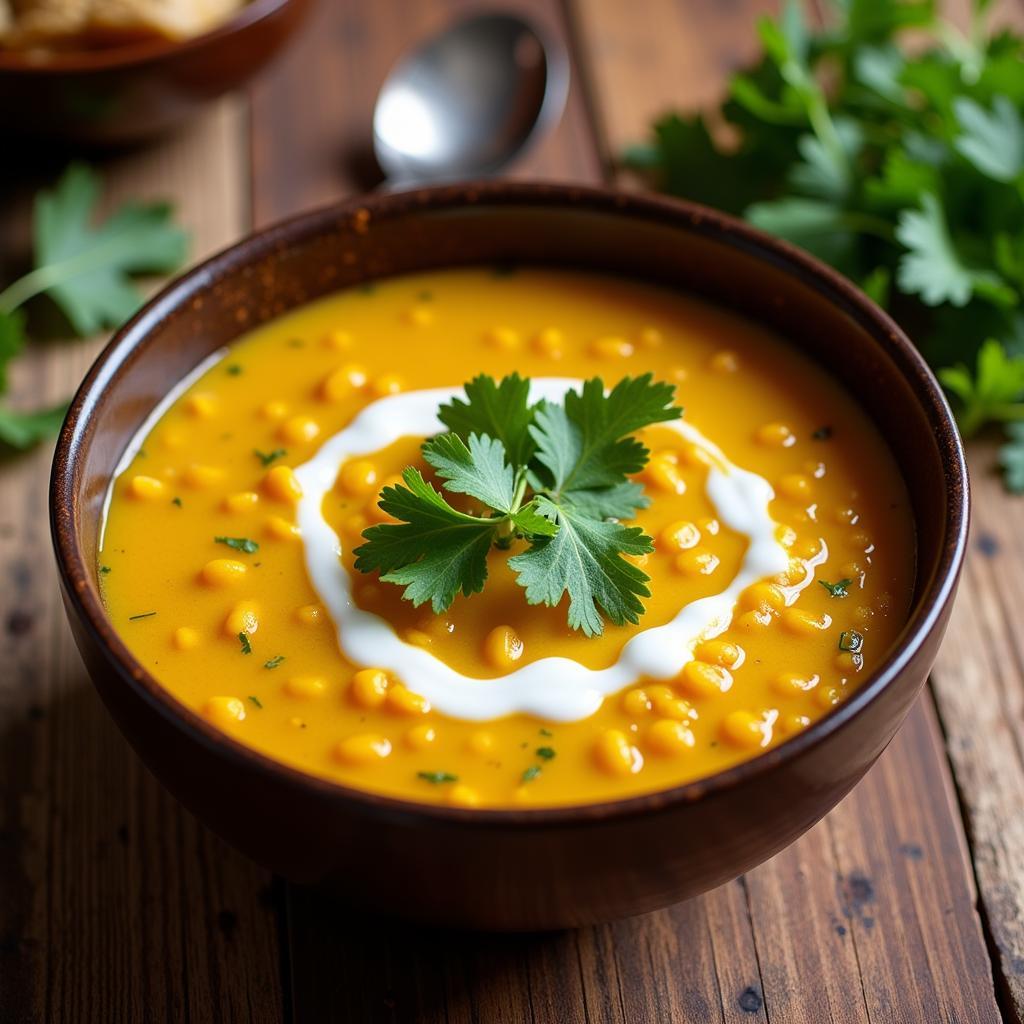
208,574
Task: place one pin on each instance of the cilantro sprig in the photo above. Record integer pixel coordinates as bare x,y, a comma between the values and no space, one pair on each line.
554,477
85,266
903,167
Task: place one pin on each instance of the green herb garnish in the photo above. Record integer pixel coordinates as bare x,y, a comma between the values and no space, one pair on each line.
176,501
545,752
436,778
104,569
531,773
85,266
546,732
901,166
274,661
553,475
239,544
234,369
852,641
243,639
837,589
266,458
1011,458
144,615
256,701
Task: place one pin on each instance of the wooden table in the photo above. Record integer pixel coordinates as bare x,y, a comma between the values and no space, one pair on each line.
905,904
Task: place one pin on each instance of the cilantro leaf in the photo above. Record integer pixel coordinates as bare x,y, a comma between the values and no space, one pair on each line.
12,341
479,470
501,411
993,142
434,552
584,559
21,430
1011,458
932,267
995,391
585,444
85,267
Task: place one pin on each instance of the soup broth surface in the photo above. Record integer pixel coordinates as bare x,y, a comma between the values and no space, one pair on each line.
226,599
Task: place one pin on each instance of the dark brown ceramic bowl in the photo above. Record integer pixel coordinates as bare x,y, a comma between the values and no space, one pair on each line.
511,869
129,93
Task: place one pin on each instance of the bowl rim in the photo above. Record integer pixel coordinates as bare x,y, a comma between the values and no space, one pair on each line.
134,55
83,596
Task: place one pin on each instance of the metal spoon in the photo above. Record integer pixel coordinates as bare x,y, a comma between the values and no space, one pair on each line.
469,101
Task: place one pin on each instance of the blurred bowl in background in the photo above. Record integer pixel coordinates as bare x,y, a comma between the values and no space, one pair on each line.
131,93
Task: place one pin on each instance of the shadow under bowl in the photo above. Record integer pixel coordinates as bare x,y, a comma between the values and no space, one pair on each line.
512,869
126,94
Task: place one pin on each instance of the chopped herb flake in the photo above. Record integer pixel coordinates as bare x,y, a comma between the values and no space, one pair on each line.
852,641
234,369
274,661
176,501
425,296
546,752
822,434
144,615
239,544
531,773
268,457
243,639
256,701
546,732
837,589
104,569
436,778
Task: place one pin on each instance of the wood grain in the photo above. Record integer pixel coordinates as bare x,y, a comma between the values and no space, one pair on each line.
838,927
115,905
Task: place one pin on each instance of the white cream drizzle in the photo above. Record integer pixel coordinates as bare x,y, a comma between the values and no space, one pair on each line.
555,688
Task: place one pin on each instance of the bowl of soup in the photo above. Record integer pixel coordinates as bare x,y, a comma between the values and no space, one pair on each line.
115,72
489,763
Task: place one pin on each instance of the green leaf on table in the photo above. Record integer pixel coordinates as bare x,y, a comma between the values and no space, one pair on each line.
12,342
816,225
993,392
1011,458
85,265
933,268
21,430
992,141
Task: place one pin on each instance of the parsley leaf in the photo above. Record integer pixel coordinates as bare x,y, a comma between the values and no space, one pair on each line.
1011,458
584,558
437,778
500,411
435,552
21,430
906,173
85,267
993,142
243,639
993,392
479,470
239,544
12,341
564,497
837,589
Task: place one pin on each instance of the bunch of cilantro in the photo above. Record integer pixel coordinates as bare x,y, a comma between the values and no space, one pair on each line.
903,169
85,269
555,477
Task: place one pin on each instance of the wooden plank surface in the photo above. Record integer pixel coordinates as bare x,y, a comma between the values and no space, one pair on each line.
116,906
879,891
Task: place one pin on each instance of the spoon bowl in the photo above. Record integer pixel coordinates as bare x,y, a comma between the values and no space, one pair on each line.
469,101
